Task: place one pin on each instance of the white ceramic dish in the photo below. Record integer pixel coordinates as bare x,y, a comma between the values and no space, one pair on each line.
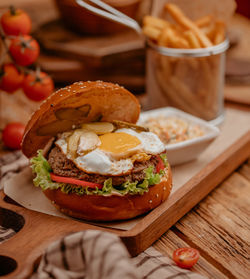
188,150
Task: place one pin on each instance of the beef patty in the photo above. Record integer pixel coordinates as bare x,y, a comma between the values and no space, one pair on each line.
64,167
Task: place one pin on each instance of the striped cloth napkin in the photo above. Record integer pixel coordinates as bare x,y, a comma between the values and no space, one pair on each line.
93,254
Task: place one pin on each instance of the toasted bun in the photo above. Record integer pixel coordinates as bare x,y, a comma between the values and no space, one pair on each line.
113,207
89,101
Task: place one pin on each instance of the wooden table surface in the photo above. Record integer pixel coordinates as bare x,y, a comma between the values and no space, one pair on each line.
218,226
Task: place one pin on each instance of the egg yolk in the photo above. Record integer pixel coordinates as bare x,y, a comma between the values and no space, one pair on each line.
118,142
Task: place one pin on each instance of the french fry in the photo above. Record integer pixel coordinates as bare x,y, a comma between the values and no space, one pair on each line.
204,21
181,19
155,22
219,35
196,94
209,31
179,42
179,95
164,38
151,32
170,38
192,39
165,65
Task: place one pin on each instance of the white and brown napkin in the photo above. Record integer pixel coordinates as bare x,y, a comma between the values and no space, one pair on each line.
92,254
10,164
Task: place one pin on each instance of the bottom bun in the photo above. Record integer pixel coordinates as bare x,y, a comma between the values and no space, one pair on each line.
113,207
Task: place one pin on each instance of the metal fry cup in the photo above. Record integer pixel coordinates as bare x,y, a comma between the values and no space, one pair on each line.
189,79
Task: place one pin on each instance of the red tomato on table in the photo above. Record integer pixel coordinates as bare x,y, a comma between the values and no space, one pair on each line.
15,22
38,86
186,257
13,134
10,78
24,50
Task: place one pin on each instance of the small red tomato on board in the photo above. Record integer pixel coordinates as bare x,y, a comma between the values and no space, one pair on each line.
15,22
37,86
13,134
24,50
186,257
10,78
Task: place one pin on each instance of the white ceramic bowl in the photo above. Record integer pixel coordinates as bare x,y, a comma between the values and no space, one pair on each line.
188,150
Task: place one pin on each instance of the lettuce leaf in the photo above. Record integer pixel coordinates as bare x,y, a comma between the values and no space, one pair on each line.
42,169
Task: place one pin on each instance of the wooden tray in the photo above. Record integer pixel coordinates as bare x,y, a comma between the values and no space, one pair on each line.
37,230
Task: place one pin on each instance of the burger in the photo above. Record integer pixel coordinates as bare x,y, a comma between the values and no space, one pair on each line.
90,158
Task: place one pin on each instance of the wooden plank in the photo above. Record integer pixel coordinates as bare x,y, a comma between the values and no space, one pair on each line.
245,170
238,93
239,25
54,37
220,228
171,241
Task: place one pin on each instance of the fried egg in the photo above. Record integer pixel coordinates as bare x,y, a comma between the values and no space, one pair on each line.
150,143
116,152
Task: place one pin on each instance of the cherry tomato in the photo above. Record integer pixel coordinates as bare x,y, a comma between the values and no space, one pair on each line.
10,78
38,86
15,22
24,50
13,134
186,257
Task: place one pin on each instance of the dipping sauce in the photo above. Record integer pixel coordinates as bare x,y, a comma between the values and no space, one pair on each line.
173,129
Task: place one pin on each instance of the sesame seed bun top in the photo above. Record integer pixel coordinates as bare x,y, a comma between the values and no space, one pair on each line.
81,102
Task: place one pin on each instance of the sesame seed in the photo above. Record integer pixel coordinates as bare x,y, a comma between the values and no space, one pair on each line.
150,201
157,195
164,188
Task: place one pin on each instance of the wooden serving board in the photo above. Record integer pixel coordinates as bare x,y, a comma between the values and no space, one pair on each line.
36,230
68,56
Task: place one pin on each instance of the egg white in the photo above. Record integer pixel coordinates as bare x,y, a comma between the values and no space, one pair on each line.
97,161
